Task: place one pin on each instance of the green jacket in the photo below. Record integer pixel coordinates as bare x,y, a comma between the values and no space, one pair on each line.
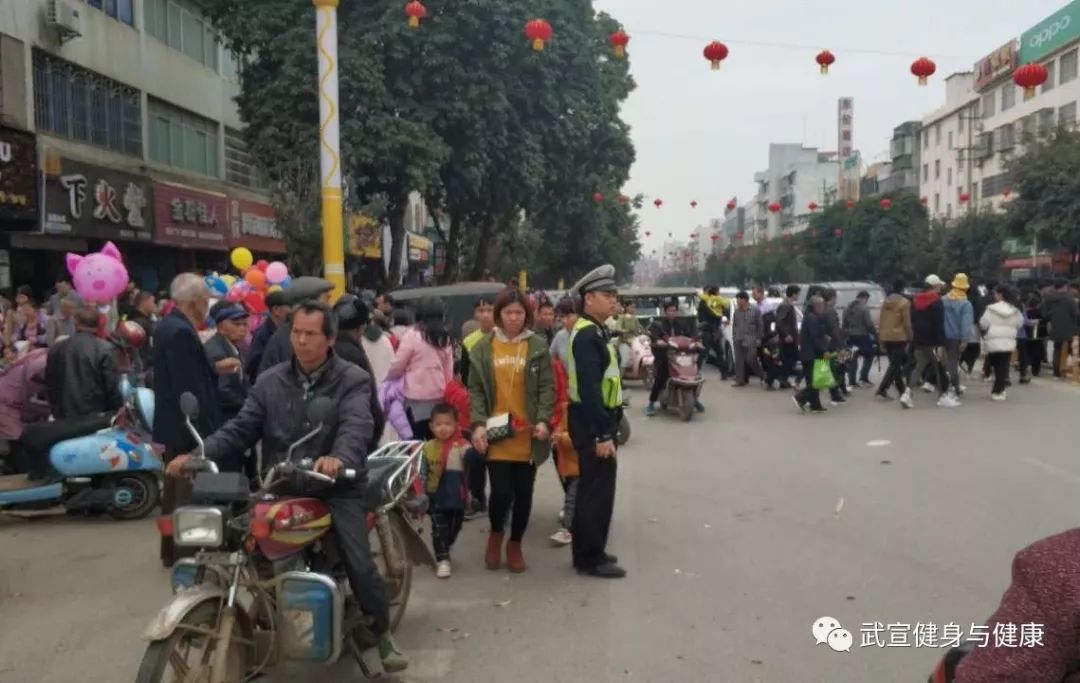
539,387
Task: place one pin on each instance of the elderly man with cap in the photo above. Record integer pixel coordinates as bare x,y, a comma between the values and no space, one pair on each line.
594,414
305,288
277,313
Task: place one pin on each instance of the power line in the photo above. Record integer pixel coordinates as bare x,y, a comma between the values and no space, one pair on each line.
794,46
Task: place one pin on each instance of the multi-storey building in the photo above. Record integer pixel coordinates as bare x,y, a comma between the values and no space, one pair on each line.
796,177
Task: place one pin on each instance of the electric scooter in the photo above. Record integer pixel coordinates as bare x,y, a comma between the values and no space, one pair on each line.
99,463
684,381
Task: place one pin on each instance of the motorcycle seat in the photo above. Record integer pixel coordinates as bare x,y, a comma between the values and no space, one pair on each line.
39,437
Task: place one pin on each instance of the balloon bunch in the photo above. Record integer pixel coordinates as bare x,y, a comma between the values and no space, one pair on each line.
257,280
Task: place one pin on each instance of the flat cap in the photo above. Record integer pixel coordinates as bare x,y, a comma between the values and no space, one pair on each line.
601,279
306,287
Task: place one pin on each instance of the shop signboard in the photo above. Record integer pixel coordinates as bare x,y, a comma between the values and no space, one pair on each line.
84,200
254,225
364,237
1052,33
998,63
18,178
187,217
845,121
419,248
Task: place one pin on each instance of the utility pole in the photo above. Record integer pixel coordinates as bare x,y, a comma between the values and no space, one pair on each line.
326,38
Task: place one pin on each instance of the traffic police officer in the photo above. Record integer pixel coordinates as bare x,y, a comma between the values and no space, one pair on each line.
594,415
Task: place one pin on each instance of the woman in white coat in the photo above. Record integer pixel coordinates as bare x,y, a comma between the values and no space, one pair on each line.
999,324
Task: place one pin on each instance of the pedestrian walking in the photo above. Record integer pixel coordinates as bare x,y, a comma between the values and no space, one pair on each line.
747,331
860,332
594,414
425,359
896,335
787,329
999,324
959,319
1060,310
813,346
837,346
928,328
445,462
512,394
561,342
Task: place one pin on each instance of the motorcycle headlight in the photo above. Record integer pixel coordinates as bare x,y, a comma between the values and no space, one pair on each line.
198,527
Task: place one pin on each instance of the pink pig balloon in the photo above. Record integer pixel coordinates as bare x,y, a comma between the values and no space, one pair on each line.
98,277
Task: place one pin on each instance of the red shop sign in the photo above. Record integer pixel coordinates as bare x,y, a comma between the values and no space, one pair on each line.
253,225
186,217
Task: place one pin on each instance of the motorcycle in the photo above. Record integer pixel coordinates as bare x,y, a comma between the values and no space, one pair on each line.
684,380
640,364
268,584
92,464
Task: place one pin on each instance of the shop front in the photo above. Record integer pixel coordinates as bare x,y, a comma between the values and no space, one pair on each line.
85,206
18,193
254,225
363,242
195,223
420,270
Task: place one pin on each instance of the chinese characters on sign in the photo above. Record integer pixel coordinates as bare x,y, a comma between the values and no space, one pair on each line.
998,63
90,201
877,634
187,217
845,127
18,176
254,225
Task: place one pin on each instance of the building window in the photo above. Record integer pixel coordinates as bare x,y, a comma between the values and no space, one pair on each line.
80,104
1068,68
937,202
994,184
1008,96
948,176
950,139
960,121
180,25
937,169
937,134
925,139
239,167
948,211
1067,114
121,10
1049,84
926,171
988,105
182,139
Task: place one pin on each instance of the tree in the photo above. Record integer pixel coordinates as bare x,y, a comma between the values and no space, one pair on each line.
974,244
1047,186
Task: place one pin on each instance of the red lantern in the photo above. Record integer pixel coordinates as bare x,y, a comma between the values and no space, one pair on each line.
623,199
714,237
416,11
850,203
838,233
647,233
964,196
1029,77
597,197
774,208
731,205
693,204
924,68
924,200
739,236
886,204
825,59
1006,192
787,235
658,203
715,52
618,41
812,206
625,232
539,32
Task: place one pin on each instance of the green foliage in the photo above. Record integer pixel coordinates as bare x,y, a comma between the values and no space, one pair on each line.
1047,185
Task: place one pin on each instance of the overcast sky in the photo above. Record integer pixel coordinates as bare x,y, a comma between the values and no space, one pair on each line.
701,134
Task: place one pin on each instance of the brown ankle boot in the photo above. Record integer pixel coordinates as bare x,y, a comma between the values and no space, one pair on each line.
515,561
493,554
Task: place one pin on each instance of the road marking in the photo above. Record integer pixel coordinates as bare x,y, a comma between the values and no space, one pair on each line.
878,443
1053,469
839,507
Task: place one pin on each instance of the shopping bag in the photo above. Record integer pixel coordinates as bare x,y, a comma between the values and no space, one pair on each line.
823,375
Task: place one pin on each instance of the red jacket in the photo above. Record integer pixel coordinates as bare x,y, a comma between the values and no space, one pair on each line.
1045,590
458,396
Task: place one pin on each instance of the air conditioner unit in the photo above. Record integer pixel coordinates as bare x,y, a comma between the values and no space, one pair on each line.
64,16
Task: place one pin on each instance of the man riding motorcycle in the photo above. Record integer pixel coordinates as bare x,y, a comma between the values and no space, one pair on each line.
275,411
660,329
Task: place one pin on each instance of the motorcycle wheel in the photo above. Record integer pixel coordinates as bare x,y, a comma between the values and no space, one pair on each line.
144,495
167,660
397,590
686,406
623,435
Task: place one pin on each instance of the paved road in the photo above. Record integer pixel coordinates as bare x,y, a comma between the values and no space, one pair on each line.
739,530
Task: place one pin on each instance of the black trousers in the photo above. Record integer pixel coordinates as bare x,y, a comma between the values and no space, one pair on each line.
350,528
594,506
1035,352
789,357
865,345
445,527
663,372
478,485
809,395
999,362
898,357
511,485
970,355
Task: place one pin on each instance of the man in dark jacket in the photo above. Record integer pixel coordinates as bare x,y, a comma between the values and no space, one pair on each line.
928,329
81,374
276,413
860,332
837,342
747,331
813,345
787,327
660,329
279,348
352,318
277,313
1059,307
180,365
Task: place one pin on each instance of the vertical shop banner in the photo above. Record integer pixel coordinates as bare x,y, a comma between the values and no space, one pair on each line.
85,200
846,127
187,217
18,177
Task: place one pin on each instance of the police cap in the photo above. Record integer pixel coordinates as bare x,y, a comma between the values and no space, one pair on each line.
601,279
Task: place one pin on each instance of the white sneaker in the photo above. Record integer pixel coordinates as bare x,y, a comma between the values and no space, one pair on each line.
962,389
948,401
997,397
906,401
442,570
561,538
928,388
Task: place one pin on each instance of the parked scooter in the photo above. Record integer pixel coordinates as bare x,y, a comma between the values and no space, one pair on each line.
684,380
100,463
640,364
268,584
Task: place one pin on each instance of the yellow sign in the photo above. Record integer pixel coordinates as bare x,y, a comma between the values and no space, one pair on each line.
419,248
365,236
522,280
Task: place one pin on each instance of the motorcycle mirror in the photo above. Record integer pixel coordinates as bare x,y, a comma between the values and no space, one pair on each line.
321,411
189,405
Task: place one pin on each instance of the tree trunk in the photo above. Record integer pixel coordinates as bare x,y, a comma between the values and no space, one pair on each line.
482,245
453,249
397,240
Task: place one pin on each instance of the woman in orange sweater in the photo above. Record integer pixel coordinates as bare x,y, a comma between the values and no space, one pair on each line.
510,375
